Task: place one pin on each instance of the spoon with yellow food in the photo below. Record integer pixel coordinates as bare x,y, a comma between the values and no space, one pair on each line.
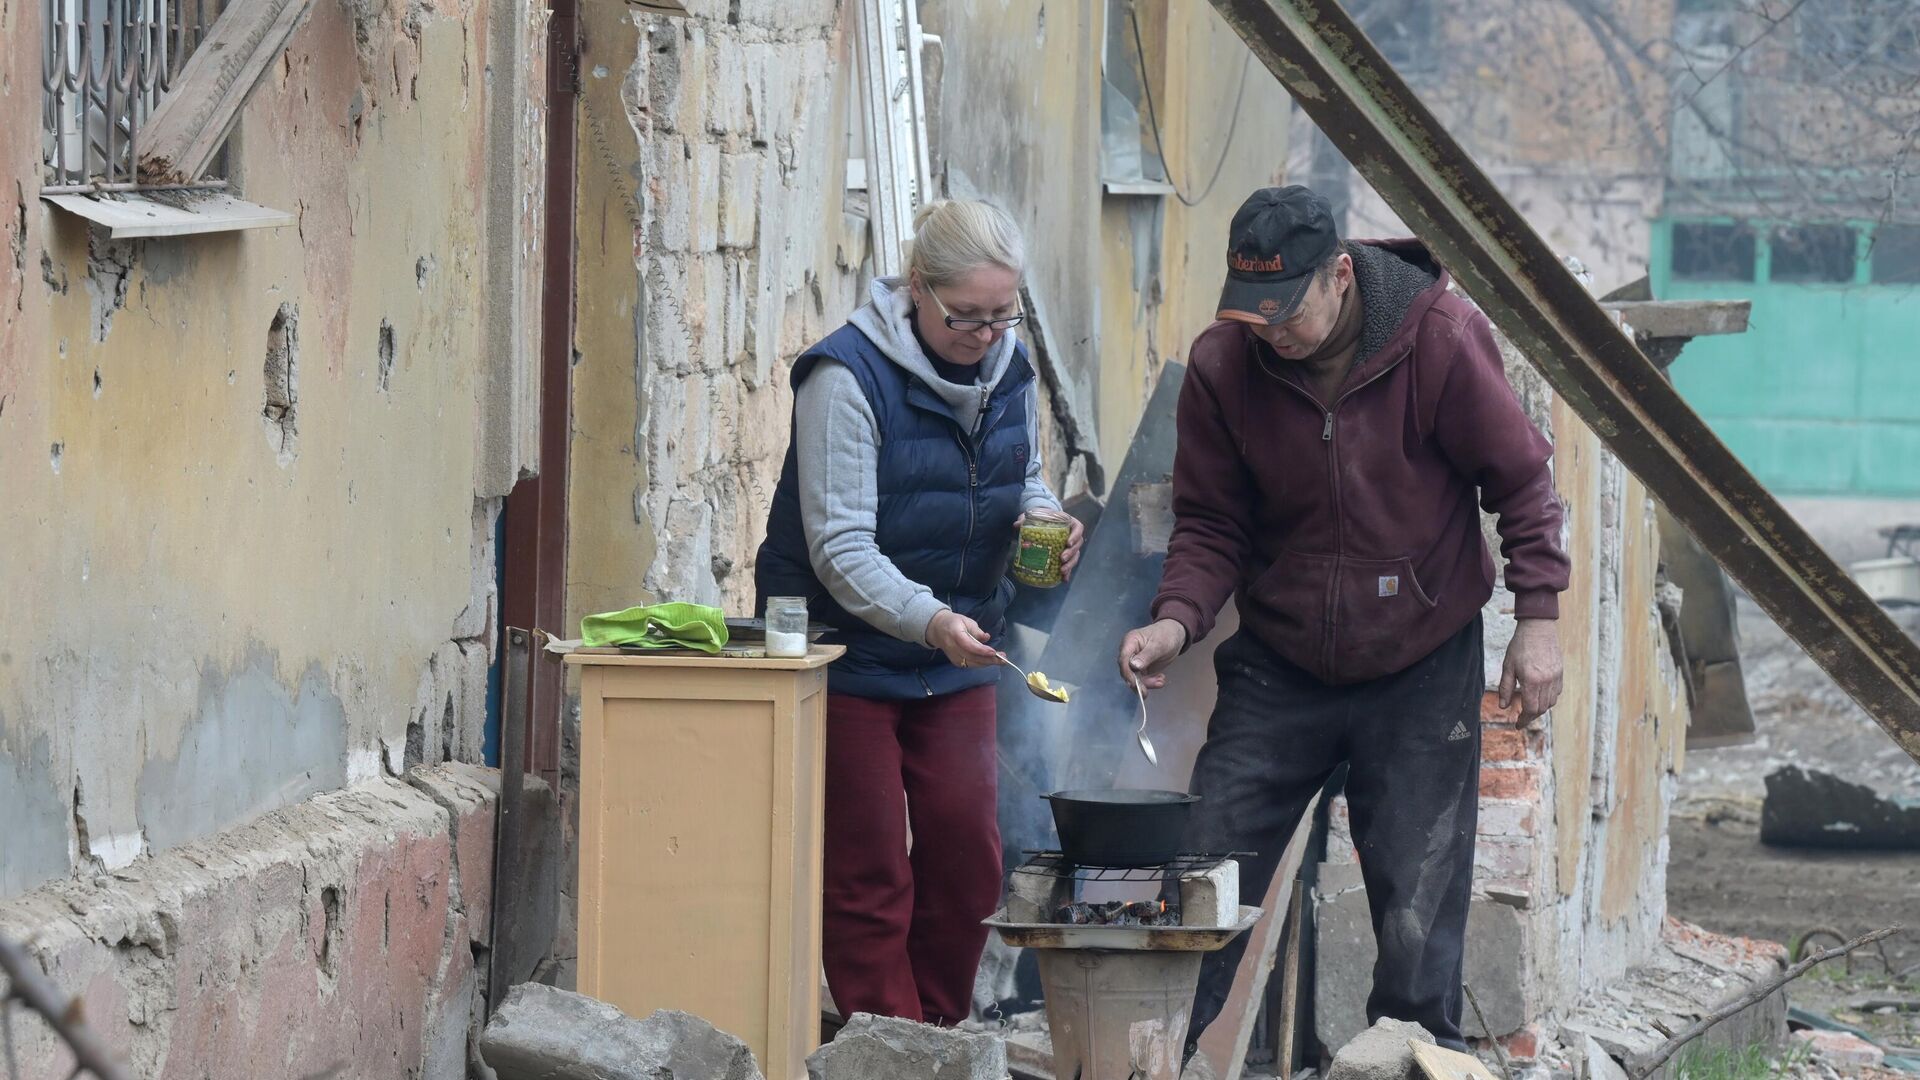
1037,684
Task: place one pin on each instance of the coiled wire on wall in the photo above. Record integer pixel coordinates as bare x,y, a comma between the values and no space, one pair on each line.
1153,118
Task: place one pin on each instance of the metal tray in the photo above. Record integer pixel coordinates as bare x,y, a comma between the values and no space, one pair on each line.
1122,938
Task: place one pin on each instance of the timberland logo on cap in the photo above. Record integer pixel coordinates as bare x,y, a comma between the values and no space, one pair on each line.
1255,266
1269,307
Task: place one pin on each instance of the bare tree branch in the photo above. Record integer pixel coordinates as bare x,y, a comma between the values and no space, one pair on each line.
1752,997
26,984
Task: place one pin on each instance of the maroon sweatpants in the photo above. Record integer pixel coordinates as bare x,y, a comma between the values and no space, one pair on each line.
902,932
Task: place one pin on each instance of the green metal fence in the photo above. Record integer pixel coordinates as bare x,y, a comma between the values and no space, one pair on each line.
1821,395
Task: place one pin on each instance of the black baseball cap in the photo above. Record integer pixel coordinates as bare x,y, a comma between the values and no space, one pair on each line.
1279,236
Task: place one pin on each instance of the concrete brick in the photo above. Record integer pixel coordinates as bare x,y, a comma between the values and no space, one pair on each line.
876,1046
739,199
706,197
541,1033
1345,952
1211,898
1497,963
469,795
1382,1052
726,102
670,187
324,937
786,14
1507,817
1510,782
1505,862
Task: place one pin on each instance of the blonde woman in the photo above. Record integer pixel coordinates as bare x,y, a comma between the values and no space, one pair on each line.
911,462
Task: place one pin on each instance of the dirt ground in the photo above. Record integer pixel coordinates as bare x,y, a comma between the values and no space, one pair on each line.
1721,876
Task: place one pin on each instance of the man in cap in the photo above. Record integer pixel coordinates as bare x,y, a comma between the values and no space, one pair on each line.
1340,428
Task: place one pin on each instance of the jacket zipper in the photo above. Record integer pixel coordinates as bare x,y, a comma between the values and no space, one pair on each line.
973,484
1333,484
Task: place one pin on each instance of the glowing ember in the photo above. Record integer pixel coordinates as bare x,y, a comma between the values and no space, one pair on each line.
1118,913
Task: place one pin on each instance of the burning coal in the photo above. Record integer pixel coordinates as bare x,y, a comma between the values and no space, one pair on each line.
1118,913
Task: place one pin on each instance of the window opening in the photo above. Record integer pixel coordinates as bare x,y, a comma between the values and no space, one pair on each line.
1127,153
1712,252
1896,254
1814,253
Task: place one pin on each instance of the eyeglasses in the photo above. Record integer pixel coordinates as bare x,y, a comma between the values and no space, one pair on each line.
968,326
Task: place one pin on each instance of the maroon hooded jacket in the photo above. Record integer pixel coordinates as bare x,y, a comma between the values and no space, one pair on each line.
1349,531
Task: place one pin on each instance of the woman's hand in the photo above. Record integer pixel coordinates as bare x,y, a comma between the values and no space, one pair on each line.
1076,536
961,639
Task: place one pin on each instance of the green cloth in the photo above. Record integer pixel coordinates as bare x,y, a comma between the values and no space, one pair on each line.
658,626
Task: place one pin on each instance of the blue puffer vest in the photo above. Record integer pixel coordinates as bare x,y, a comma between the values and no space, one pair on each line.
948,501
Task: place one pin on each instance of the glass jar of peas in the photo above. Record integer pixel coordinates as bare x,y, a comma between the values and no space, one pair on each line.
1043,539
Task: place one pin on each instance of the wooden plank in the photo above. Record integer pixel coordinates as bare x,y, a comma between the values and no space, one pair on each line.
1440,1063
1226,1040
186,130
134,216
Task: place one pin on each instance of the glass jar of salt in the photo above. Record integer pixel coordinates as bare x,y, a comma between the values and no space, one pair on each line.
786,626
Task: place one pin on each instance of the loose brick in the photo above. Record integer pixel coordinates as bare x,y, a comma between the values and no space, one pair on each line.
1503,862
1523,1045
1510,782
1505,817
1506,744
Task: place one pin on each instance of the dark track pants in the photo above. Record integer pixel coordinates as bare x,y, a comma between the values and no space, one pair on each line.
1412,743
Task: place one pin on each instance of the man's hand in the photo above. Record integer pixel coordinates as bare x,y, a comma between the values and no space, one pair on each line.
1144,652
1533,667
1070,558
961,639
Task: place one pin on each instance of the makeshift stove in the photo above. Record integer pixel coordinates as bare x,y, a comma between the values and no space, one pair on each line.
1119,952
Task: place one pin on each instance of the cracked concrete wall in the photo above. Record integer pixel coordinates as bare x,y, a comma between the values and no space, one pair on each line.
344,937
713,248
258,472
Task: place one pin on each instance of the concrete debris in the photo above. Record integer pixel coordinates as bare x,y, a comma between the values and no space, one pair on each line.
886,1048
1843,1048
1382,1052
1809,808
1597,1064
541,1033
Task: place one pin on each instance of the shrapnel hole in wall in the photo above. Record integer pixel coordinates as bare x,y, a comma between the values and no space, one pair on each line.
281,376
386,355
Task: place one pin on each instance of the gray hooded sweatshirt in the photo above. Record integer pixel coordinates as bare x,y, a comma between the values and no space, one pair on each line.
837,447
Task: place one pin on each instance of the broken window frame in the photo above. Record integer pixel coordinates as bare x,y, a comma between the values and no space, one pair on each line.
1130,163
105,65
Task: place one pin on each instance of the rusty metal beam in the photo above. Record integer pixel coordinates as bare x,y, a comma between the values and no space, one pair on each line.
1340,79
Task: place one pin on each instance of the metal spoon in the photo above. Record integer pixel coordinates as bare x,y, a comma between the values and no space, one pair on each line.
1057,695
1146,744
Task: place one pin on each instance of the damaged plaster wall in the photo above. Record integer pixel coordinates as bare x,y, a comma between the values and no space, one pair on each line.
1126,281
713,248
338,937
257,561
